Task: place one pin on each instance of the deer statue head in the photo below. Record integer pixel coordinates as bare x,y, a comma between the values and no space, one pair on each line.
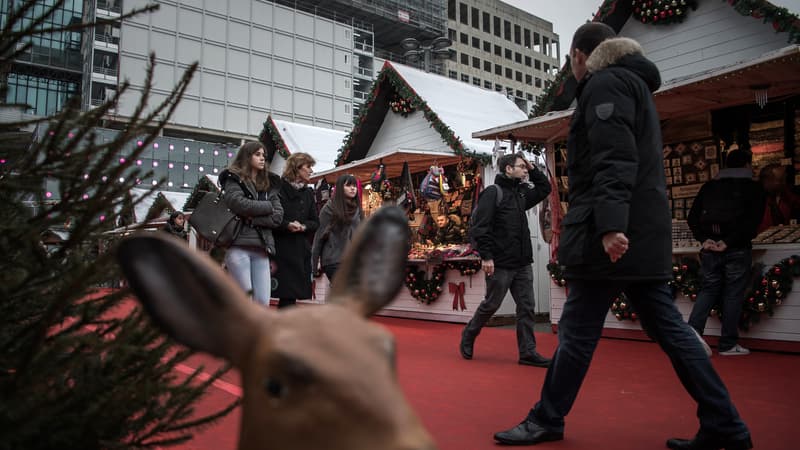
314,377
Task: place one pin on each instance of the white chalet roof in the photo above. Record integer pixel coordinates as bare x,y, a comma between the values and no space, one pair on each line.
321,143
463,107
176,199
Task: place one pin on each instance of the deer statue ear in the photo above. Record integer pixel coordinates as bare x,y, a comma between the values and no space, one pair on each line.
373,267
188,295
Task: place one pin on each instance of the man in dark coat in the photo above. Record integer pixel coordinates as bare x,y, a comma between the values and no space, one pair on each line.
503,240
724,218
616,237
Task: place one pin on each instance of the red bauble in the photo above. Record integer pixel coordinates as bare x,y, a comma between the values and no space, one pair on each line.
777,270
684,267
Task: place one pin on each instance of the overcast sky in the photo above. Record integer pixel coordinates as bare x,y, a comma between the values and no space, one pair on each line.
567,15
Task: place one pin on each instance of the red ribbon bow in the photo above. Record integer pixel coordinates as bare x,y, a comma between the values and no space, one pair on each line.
458,295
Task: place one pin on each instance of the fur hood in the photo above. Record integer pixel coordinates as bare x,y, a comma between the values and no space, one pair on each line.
627,53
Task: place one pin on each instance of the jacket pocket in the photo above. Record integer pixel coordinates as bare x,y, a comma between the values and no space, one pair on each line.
575,235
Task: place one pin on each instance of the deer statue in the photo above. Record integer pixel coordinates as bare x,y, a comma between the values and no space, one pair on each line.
314,377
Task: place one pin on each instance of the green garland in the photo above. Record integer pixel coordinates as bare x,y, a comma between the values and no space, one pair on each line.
401,106
781,18
403,90
768,291
270,132
466,267
426,290
551,90
661,12
686,278
622,308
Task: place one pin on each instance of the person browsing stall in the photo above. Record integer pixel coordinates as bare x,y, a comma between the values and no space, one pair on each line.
250,196
296,232
724,218
617,236
338,220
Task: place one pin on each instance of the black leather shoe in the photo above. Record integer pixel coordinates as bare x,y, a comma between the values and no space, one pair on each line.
527,433
706,442
465,346
536,360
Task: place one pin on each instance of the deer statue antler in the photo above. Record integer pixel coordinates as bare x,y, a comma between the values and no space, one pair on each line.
317,377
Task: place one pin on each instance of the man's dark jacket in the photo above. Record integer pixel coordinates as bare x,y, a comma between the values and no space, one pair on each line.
501,231
616,170
743,198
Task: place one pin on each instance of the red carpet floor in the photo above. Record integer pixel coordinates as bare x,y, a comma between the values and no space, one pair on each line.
631,399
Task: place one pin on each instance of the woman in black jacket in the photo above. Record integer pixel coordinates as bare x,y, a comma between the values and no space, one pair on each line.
294,235
338,220
249,195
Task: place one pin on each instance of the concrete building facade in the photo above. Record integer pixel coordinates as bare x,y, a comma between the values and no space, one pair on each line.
500,47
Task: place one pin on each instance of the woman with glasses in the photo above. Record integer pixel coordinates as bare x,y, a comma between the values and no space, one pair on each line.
292,277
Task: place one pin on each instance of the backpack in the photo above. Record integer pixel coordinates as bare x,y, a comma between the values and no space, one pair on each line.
497,199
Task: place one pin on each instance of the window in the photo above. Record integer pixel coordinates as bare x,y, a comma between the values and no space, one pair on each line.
497,26
452,35
487,84
537,64
487,46
452,74
463,13
537,82
476,18
529,96
487,22
546,67
476,62
528,61
451,55
546,45
507,30
508,54
464,38
451,9
527,36
476,81
465,78
518,57
465,59
487,66
518,77
519,94
498,69
498,87
517,34
476,43
509,73
528,80
498,50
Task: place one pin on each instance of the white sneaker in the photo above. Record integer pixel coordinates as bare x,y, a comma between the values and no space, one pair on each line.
736,350
706,347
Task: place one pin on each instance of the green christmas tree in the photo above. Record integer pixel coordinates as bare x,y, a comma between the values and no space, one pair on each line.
81,367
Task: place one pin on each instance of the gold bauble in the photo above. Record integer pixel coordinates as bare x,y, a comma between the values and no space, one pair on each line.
774,284
761,307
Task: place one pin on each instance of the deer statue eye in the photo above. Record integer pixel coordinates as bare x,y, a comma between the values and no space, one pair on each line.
275,388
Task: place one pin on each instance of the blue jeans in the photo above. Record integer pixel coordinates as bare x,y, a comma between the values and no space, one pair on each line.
249,266
725,278
579,331
520,282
